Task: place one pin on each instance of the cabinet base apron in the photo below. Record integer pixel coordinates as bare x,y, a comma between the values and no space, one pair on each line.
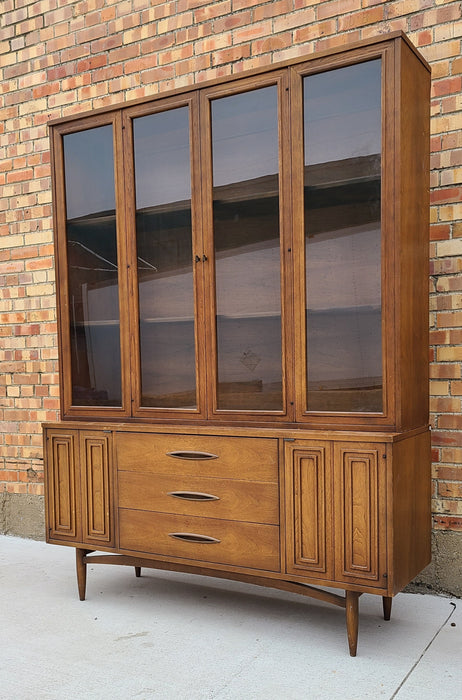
350,601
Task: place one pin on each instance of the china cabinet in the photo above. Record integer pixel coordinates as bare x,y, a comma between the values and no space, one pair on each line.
242,299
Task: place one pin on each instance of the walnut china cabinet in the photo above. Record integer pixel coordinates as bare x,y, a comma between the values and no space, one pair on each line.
242,288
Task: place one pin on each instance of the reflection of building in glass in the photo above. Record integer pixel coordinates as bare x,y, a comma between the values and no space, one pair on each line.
94,309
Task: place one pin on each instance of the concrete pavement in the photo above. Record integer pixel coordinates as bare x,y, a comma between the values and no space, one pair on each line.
175,636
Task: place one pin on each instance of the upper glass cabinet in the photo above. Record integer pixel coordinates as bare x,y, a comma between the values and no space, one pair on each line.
251,251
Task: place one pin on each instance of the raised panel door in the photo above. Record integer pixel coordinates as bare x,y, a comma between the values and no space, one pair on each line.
96,487
360,513
309,508
62,494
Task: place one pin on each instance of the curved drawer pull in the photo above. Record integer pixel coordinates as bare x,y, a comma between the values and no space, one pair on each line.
191,454
193,496
192,537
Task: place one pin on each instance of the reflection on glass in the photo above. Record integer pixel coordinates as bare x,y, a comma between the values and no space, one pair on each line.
247,256
92,268
164,249
342,130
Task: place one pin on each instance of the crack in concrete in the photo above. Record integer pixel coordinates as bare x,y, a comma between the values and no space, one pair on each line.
132,635
244,665
425,650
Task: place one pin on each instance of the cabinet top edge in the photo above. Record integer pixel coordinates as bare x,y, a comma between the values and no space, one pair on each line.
257,432
346,47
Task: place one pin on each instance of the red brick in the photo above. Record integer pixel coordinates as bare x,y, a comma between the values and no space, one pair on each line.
449,473
445,266
438,337
254,32
235,20
361,19
451,438
60,72
91,34
440,232
314,31
229,55
336,41
337,7
273,43
444,405
213,44
445,195
148,46
445,371
90,63
171,24
272,9
107,14
171,56
448,320
156,74
242,4
424,38
187,34
9,475
162,9
193,64
212,10
450,422
19,176
450,489
447,86
447,522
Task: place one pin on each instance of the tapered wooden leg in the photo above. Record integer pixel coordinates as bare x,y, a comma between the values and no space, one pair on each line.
81,571
352,609
387,607
137,571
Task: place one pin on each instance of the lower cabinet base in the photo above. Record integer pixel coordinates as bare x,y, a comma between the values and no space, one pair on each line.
350,601
293,510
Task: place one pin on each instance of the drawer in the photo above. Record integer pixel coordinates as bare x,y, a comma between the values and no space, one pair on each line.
199,455
230,499
201,539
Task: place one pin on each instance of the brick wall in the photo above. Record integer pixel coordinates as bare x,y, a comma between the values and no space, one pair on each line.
61,57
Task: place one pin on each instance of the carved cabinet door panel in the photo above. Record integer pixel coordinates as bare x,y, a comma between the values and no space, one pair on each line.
63,501
309,508
95,464
360,513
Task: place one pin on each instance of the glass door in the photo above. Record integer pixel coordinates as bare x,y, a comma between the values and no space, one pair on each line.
243,160
342,214
90,252
167,302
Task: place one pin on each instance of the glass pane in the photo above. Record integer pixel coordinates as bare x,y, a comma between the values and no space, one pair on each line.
247,256
342,125
164,249
93,268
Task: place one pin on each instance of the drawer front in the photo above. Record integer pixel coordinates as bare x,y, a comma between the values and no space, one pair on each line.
252,501
201,539
198,455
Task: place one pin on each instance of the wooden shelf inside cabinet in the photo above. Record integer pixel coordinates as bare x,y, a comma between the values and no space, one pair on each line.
243,307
